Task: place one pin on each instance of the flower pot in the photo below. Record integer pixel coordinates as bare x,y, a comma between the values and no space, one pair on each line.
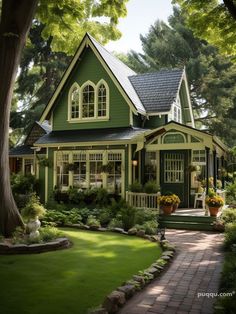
174,207
213,211
167,209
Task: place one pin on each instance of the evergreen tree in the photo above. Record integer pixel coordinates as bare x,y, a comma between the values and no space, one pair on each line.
211,76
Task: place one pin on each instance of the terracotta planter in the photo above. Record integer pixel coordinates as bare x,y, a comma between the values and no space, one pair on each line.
213,211
167,209
174,207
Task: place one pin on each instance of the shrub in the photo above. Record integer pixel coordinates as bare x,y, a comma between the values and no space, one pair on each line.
228,215
116,206
115,223
135,187
105,217
49,233
231,194
127,216
93,222
150,227
75,196
151,187
102,197
73,216
230,234
143,215
24,184
33,208
54,217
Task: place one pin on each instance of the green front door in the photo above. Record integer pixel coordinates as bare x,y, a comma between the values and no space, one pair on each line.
174,176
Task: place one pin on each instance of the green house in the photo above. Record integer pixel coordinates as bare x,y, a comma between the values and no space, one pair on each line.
109,126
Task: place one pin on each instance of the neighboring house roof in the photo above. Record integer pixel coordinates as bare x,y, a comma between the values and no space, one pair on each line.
158,90
37,130
20,150
91,135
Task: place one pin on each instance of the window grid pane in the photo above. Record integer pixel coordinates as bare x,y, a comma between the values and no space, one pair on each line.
102,101
88,102
75,104
174,168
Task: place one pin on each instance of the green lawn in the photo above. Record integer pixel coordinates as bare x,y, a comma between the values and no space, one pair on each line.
75,279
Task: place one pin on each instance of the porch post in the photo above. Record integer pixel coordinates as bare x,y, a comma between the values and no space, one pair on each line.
207,170
222,176
142,162
214,169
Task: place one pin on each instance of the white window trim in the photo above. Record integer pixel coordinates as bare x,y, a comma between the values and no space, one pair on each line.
73,86
104,162
170,133
95,118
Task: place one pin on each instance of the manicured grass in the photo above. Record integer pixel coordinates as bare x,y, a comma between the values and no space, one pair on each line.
72,280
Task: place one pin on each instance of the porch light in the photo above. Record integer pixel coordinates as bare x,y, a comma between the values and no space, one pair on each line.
134,162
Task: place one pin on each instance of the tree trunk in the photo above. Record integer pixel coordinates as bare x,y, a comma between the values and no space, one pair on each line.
16,18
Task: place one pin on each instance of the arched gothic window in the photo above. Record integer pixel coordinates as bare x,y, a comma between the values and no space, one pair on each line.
74,101
88,102
102,101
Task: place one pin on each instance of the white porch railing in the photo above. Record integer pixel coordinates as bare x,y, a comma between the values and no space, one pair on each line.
142,200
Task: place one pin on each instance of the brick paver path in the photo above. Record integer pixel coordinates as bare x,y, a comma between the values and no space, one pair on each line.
195,269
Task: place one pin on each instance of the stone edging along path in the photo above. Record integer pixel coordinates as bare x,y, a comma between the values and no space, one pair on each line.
57,244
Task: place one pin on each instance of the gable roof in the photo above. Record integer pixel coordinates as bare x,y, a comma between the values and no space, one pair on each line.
158,90
145,93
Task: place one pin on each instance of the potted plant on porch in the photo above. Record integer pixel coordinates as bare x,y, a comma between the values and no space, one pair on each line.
166,203
214,203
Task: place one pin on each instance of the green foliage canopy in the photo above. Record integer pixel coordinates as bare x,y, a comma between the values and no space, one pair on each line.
214,21
68,20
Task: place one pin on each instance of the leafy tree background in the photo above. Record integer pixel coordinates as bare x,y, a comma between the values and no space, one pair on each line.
211,76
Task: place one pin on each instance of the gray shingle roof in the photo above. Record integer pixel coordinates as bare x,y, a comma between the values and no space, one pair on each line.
121,72
92,135
21,150
157,91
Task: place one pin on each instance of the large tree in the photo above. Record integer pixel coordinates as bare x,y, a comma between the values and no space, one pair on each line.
65,21
211,76
213,20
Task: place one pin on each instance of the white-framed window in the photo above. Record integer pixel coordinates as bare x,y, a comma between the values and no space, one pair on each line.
150,166
102,100
79,172
114,175
173,137
88,169
176,111
62,170
199,157
88,102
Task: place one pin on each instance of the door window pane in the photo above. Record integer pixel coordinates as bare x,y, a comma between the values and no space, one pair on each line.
173,168
150,166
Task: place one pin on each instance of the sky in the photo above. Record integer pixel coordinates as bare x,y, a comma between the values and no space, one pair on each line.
141,15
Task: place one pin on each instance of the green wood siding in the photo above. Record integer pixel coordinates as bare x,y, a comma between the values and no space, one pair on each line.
154,122
90,68
50,172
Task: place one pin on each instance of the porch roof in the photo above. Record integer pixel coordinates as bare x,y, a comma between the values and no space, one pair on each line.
21,150
91,135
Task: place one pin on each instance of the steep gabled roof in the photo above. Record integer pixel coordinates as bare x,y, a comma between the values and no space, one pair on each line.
157,91
122,73
118,71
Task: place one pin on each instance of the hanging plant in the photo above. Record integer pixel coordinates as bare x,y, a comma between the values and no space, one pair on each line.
107,168
193,168
72,167
45,162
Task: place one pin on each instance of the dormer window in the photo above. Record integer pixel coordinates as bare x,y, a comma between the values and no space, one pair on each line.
89,102
176,111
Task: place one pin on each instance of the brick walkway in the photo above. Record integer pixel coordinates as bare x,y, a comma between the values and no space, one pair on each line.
195,269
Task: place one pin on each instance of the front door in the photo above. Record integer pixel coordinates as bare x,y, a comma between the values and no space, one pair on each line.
174,176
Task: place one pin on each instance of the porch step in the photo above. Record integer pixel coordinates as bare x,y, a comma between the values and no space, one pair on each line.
187,222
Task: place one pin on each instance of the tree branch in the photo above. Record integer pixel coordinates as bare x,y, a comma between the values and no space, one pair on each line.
230,5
